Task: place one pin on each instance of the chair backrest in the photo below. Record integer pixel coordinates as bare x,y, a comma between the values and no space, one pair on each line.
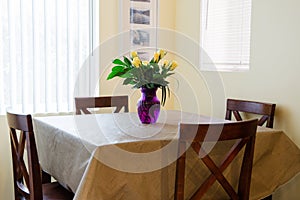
267,110
243,133
27,178
83,103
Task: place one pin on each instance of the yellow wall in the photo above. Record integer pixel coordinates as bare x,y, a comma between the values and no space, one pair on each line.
108,19
274,69
275,61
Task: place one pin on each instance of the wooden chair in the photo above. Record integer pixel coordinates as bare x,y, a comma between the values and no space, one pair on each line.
267,110
83,103
28,178
197,134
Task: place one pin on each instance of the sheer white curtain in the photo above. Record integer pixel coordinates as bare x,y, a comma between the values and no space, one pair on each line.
43,45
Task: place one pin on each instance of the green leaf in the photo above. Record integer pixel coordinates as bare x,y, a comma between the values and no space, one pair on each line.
127,61
168,91
117,71
169,74
118,68
112,75
126,74
157,76
135,72
163,95
127,81
151,85
140,84
119,62
155,66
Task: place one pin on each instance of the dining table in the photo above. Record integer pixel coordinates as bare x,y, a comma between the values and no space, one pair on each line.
113,156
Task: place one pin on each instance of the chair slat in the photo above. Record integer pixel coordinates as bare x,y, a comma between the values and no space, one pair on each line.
219,176
198,134
234,106
83,103
27,178
267,110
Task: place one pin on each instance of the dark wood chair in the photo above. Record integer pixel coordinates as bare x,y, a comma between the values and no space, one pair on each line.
28,177
83,103
267,110
197,134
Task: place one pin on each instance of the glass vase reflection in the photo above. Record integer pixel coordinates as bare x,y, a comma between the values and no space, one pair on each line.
148,106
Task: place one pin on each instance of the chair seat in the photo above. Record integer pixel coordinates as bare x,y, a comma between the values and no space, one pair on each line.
54,191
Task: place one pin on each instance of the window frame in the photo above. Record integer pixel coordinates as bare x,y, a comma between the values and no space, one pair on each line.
225,66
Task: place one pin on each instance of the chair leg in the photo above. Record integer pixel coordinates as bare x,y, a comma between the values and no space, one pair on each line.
268,198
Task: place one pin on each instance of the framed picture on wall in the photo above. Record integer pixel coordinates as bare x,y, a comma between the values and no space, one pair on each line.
139,18
140,37
141,0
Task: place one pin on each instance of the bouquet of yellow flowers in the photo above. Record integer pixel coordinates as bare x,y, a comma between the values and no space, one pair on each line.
145,74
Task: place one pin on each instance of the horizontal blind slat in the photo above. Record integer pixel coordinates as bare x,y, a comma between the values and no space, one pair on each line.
225,30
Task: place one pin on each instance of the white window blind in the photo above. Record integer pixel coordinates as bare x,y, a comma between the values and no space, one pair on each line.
225,34
43,45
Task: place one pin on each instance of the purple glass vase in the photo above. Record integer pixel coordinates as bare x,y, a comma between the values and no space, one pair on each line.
148,106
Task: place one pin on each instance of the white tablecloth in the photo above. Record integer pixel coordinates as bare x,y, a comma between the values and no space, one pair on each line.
113,156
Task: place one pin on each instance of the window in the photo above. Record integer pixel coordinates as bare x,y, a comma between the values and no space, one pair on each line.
225,35
43,47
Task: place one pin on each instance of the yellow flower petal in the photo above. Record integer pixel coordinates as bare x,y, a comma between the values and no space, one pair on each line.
136,62
166,63
133,54
173,65
145,62
162,53
156,57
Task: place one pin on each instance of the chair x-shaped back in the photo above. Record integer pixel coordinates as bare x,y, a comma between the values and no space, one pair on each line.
267,110
196,135
32,176
28,178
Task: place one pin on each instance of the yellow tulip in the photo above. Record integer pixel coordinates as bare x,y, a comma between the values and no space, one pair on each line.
136,62
133,54
166,63
162,53
145,62
156,57
173,65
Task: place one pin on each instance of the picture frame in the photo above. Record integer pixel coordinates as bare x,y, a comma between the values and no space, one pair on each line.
141,0
139,19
